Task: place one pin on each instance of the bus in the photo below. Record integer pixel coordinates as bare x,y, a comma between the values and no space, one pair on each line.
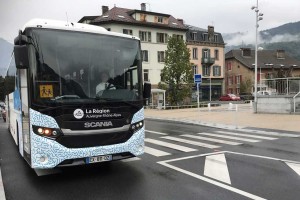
54,113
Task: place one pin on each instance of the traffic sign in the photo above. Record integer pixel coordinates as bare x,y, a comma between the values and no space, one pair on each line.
197,78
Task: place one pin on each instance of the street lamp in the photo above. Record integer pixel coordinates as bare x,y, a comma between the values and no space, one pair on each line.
257,18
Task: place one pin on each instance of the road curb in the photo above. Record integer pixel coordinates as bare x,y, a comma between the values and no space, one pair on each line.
195,122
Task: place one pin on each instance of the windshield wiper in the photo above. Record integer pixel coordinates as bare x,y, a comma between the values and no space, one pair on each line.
117,100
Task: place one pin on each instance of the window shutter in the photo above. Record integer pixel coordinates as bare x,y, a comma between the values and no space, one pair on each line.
149,36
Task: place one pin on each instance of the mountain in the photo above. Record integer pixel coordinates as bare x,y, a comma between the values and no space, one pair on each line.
286,37
5,54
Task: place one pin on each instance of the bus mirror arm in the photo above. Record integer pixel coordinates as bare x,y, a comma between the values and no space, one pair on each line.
21,51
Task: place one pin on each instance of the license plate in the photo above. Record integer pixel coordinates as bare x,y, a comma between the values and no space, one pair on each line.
96,159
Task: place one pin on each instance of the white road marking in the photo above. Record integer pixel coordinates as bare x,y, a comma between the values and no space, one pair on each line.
2,193
131,159
170,145
191,142
294,166
156,152
216,167
268,133
247,135
229,137
212,140
155,132
222,185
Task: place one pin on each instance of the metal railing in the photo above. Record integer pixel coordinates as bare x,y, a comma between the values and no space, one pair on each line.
281,86
294,98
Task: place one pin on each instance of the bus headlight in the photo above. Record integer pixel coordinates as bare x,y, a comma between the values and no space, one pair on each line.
47,132
136,126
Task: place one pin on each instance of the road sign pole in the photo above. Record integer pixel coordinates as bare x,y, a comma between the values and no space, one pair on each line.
198,94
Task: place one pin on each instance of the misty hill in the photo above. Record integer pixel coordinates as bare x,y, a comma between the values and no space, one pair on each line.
286,37
289,31
5,53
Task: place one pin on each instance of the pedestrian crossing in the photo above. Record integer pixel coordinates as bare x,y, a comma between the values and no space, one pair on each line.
166,144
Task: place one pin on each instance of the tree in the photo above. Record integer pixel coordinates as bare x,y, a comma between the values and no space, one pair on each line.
246,86
177,72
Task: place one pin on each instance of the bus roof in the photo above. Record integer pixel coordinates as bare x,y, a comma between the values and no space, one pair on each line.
70,26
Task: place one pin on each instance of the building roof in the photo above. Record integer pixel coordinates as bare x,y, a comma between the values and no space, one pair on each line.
125,16
264,59
199,35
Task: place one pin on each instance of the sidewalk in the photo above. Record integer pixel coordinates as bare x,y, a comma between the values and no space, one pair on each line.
223,116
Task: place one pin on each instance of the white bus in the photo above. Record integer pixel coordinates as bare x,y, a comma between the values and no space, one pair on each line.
54,112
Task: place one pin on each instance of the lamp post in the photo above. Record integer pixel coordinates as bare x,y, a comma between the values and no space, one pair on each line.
258,17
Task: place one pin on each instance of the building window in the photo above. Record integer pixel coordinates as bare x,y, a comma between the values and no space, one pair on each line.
206,71
178,36
205,53
146,75
194,35
143,17
230,80
237,90
195,69
229,68
216,54
161,37
238,79
145,55
127,31
216,70
230,90
205,37
161,56
195,53
215,38
145,36
160,19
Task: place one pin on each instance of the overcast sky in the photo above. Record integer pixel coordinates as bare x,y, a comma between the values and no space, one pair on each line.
227,16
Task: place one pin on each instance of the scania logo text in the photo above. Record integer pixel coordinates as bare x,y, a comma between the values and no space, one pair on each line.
97,124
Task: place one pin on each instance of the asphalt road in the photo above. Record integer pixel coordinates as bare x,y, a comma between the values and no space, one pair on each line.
181,161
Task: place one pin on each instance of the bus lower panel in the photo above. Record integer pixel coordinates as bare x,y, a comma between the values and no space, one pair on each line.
81,161
81,141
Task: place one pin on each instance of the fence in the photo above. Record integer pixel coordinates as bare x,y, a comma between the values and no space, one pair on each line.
281,86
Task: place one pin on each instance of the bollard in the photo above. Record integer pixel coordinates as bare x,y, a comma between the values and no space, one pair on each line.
208,105
230,106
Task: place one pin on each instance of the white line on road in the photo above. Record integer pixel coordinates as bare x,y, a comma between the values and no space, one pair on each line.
155,132
216,167
155,152
295,167
2,193
247,135
170,145
222,185
268,133
191,142
131,159
229,137
212,140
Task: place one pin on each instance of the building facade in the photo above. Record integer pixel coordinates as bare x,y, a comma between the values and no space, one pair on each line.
240,68
207,55
152,28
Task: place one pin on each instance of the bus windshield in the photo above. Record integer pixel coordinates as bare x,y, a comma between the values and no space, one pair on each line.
71,66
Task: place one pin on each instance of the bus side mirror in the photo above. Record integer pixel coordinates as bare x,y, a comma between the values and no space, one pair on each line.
21,56
147,90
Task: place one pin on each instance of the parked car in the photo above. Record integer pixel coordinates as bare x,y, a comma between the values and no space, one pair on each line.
246,96
3,113
263,93
229,97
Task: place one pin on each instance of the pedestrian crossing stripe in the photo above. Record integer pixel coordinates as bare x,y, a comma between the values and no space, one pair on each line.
229,137
212,140
200,144
247,135
170,145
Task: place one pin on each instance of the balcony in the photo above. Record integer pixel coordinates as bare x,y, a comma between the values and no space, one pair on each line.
207,61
